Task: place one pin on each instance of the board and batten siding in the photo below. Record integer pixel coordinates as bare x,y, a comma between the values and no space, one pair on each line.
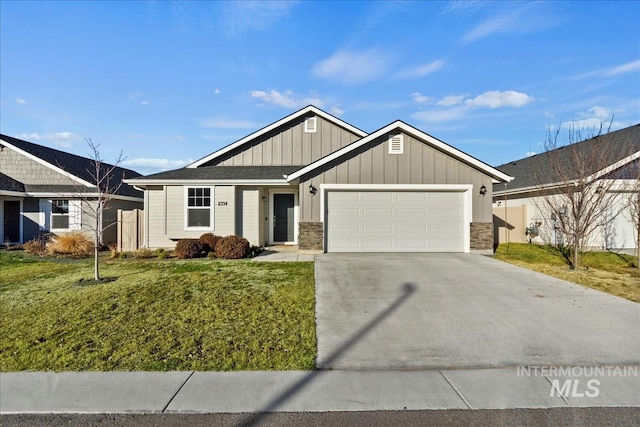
165,214
248,214
290,145
420,163
30,172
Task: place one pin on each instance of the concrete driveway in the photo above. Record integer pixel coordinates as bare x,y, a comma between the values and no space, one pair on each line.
463,311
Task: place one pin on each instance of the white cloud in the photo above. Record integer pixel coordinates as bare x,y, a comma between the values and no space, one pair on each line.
497,99
450,101
592,120
629,67
286,99
29,136
216,91
350,67
420,98
21,101
530,153
62,139
439,116
154,163
336,111
528,18
221,123
243,16
133,96
421,70
145,103
462,7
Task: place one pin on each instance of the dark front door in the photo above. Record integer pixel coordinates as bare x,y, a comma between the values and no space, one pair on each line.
11,221
283,217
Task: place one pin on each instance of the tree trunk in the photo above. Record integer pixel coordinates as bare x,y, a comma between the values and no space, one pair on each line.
576,256
96,270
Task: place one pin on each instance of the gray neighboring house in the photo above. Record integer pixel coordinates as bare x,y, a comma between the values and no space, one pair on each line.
621,151
46,190
314,180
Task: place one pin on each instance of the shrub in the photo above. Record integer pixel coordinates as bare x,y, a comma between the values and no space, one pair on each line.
75,243
232,247
36,246
188,248
161,253
143,253
209,241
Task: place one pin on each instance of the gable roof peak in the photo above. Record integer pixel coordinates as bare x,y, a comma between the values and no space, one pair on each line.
293,116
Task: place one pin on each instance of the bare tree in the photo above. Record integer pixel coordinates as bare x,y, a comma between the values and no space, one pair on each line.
95,201
574,188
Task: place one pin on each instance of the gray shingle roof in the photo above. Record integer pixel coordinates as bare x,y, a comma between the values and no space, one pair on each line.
536,170
75,165
225,173
9,184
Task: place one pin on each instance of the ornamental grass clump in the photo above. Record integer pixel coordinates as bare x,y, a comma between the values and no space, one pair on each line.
189,248
232,247
74,243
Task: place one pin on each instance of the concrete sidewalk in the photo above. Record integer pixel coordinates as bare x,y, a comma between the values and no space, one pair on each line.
289,253
311,391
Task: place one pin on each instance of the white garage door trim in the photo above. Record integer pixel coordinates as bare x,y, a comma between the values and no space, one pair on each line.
466,189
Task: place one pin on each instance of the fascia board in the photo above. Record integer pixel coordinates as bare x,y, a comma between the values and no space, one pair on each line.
47,164
264,130
494,173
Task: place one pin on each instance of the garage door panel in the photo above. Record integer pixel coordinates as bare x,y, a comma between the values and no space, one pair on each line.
377,213
395,221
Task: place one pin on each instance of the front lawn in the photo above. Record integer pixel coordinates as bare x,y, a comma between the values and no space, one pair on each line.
155,315
609,272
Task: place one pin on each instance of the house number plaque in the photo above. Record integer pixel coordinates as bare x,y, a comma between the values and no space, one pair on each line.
222,203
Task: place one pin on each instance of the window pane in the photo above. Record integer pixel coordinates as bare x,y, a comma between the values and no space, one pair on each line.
207,192
199,218
59,222
191,192
60,206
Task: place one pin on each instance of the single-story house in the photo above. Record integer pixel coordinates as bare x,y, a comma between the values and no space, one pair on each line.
314,180
45,190
613,157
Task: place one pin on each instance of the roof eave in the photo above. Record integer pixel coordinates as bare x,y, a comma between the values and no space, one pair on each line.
275,125
494,173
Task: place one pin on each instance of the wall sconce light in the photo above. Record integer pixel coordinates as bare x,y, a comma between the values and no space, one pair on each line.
483,190
312,190
264,198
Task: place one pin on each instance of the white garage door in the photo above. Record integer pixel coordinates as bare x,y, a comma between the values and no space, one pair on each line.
395,221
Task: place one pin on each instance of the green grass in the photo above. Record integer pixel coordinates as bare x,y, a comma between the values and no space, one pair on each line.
155,315
605,271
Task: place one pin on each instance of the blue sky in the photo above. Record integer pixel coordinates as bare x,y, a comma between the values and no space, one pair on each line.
170,82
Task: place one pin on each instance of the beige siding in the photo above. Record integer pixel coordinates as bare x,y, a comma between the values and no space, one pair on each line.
166,215
290,145
419,164
23,169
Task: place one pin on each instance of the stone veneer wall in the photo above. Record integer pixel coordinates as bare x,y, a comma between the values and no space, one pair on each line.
310,235
481,236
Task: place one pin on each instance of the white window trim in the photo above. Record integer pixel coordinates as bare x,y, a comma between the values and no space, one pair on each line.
296,214
392,149
311,124
187,207
75,215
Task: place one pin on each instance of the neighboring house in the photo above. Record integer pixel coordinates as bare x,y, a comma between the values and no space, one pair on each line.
46,190
521,198
314,180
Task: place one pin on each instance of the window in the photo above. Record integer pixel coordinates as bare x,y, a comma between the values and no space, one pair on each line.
310,124
199,207
60,214
396,145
